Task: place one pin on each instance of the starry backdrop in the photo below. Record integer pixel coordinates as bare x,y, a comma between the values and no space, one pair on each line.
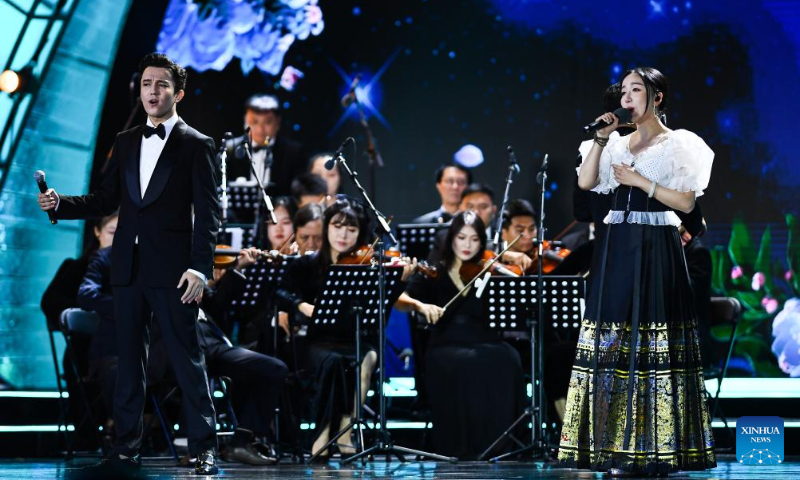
438,75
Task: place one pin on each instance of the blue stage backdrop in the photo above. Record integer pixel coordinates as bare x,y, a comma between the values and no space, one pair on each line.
436,76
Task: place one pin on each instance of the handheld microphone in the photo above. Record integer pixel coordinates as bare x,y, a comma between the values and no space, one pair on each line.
350,98
622,114
338,153
512,159
38,175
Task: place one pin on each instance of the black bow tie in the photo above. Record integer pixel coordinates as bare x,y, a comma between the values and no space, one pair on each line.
258,148
159,130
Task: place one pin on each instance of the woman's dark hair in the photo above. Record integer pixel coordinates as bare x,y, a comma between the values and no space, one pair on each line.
345,211
308,213
459,221
518,208
92,243
654,83
160,60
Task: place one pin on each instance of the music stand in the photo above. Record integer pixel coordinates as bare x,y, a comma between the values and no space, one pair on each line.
262,280
243,201
416,240
513,305
349,301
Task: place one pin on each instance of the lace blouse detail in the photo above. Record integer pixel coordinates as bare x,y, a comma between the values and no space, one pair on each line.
680,161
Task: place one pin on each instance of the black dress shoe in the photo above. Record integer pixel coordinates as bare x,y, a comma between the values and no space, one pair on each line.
206,464
246,454
266,449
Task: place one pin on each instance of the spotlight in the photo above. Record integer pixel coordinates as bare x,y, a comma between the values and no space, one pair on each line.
12,81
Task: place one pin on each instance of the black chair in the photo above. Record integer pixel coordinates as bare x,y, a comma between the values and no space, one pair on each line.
60,382
225,384
724,311
75,321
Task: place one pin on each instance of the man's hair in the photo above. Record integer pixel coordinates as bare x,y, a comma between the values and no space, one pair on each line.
160,60
440,171
263,103
307,214
474,188
517,208
308,184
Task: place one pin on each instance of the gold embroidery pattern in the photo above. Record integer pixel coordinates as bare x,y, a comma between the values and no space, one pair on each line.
670,428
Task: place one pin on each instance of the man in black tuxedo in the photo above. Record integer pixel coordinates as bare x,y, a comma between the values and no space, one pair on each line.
278,160
162,179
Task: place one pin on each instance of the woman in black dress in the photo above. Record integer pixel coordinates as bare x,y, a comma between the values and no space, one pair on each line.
636,401
345,227
475,381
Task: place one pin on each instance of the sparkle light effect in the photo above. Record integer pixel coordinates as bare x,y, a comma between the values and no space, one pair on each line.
368,93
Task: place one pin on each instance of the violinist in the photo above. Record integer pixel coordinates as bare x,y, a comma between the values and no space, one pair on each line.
479,198
281,234
345,227
307,225
467,364
519,219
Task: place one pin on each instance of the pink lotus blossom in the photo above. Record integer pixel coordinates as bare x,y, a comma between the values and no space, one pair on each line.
758,281
290,77
736,272
771,305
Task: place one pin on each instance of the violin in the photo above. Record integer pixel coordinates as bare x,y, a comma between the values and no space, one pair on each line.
365,255
469,270
552,253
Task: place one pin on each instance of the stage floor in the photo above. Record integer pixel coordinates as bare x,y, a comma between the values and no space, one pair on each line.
164,468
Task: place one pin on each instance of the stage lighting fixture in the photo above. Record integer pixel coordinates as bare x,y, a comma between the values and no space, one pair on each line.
13,81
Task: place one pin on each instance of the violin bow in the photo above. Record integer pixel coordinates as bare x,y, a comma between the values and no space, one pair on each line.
484,270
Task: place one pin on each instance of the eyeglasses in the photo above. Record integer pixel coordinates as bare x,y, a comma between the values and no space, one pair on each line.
458,183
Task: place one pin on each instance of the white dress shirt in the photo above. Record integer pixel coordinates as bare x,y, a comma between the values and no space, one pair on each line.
151,150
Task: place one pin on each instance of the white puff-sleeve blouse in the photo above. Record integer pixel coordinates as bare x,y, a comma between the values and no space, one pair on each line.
679,160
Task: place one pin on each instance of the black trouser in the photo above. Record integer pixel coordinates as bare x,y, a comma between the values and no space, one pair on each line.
133,306
257,380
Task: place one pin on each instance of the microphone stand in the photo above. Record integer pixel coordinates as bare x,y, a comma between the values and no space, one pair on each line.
536,410
384,444
267,200
513,168
223,156
375,160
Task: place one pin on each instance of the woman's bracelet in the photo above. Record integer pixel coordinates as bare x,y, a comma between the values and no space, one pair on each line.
602,141
652,190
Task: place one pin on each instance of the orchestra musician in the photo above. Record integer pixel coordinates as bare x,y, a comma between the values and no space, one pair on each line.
345,227
463,356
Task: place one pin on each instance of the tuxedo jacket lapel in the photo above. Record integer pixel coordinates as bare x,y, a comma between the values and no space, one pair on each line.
132,167
164,164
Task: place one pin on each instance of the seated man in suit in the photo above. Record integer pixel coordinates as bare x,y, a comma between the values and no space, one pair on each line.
258,378
451,180
277,159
